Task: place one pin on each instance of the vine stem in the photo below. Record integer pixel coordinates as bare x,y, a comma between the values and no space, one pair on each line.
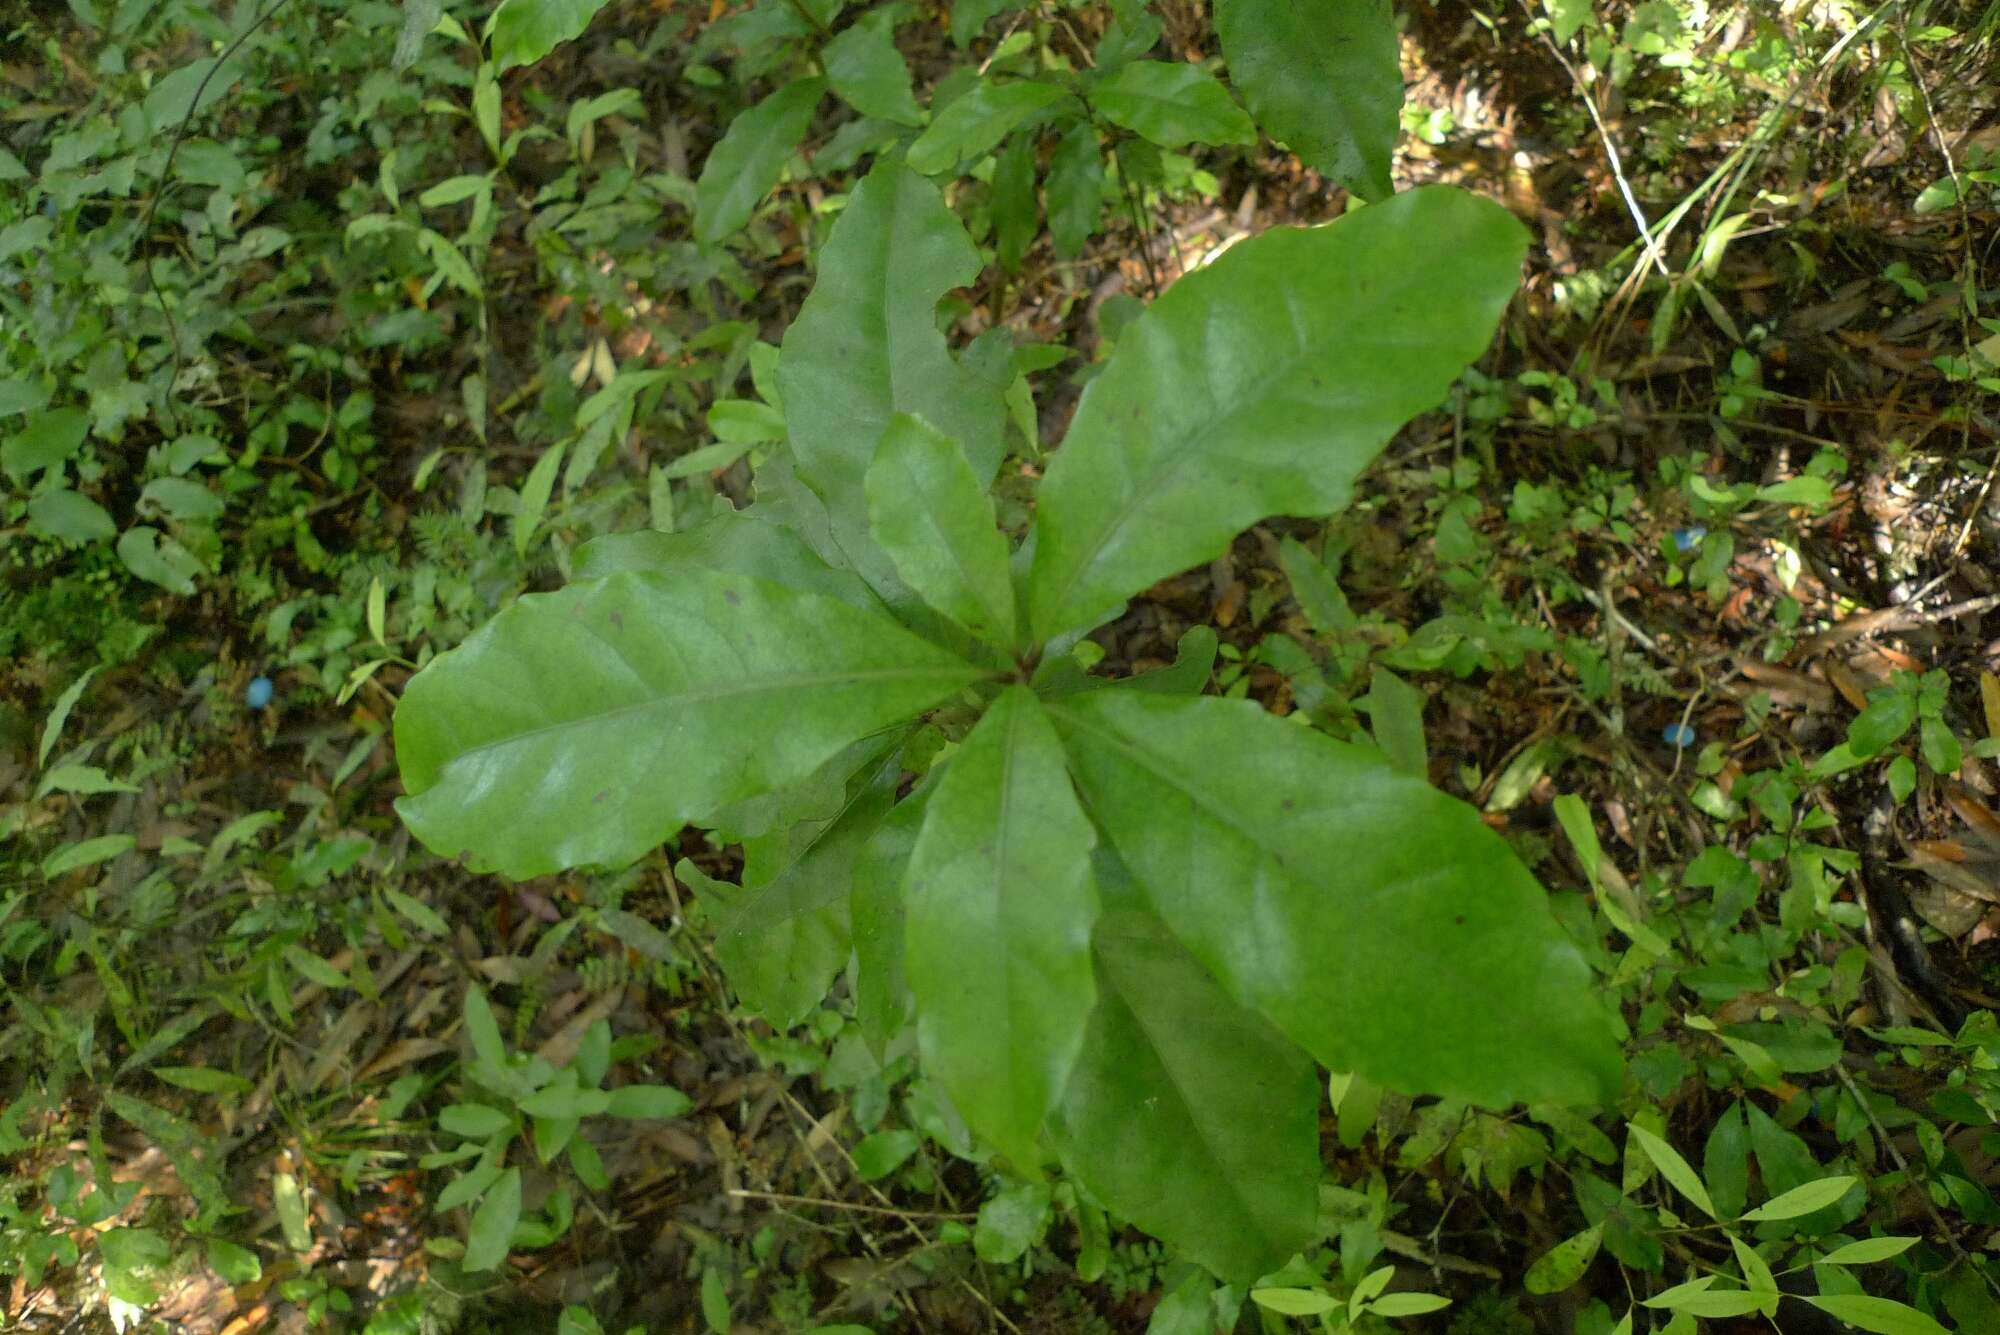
1138,218
812,19
781,1198
1903,1166
166,185
1654,249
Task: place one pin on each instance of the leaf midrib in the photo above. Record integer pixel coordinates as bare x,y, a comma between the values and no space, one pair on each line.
1155,765
1003,833
969,673
1147,761
1202,1125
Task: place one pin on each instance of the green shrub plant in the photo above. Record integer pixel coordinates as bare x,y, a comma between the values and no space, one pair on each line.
1123,919
1113,920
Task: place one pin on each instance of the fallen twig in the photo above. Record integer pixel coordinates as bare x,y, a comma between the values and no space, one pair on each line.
1901,617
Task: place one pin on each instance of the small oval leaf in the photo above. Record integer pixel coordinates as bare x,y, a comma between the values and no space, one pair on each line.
1563,1264
1294,1302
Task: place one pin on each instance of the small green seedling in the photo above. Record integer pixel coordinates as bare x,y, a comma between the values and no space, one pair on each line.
517,1092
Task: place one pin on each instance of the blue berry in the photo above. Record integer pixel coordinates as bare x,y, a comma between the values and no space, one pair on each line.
1677,735
258,694
1687,539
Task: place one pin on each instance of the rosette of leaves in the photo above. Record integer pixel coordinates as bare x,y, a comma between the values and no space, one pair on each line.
1125,919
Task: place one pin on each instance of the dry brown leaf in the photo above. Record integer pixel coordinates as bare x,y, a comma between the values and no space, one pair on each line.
1979,817
1950,911
1844,681
401,1053
562,1045
1936,860
1789,687
338,1041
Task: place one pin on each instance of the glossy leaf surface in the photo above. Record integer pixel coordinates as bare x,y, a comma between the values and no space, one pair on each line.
1261,385
746,163
1187,1114
1325,80
817,798
586,725
866,346
933,518
999,902
1374,920
526,30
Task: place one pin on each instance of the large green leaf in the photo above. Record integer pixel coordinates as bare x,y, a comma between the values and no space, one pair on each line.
783,498
882,1002
1883,1315
783,936
999,903
526,30
866,346
1261,385
781,965
745,164
585,726
818,798
780,538
1375,921
934,519
740,542
1187,1114
1171,103
1323,79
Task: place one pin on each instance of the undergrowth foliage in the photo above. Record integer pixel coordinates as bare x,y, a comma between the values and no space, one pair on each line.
1124,918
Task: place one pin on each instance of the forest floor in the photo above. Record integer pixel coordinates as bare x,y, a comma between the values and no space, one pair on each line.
1708,512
